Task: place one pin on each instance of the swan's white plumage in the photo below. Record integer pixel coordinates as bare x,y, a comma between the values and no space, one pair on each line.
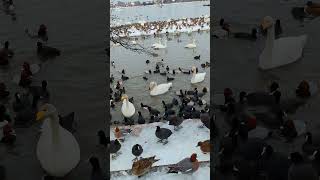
127,108
159,45
159,89
199,77
281,51
57,149
191,45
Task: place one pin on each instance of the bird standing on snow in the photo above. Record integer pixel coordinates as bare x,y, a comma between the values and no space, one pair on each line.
187,165
204,146
137,151
115,146
143,166
163,134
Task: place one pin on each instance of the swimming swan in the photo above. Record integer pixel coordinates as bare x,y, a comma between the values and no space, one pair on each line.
281,51
160,46
197,77
156,44
57,150
191,45
159,89
127,107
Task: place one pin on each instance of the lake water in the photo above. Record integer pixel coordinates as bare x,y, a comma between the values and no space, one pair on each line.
76,79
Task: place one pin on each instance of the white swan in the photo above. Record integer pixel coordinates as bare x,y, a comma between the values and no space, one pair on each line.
127,107
161,46
281,51
159,89
156,44
191,45
197,77
57,150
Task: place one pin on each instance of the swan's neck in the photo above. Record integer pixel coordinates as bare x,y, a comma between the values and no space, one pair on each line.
54,122
126,102
269,43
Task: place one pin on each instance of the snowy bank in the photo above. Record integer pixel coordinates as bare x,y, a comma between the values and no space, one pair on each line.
203,173
181,144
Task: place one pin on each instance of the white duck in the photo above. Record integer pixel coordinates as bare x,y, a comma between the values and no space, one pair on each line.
191,45
197,77
161,46
127,107
281,51
159,89
57,150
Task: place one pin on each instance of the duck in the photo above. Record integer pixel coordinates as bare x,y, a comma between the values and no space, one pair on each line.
143,166
170,78
127,107
115,147
281,51
159,89
123,71
145,78
46,51
141,119
186,165
175,121
153,111
197,57
247,36
163,134
124,78
57,149
147,61
137,150
191,45
204,146
197,77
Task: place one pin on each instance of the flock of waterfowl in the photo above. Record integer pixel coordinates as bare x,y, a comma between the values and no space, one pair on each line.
260,124
187,104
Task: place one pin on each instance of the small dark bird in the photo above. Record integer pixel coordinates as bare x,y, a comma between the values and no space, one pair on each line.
115,146
141,120
169,105
163,134
175,101
124,77
156,71
197,57
123,72
153,111
163,73
204,90
103,140
170,78
145,78
175,121
167,68
137,151
147,61
131,100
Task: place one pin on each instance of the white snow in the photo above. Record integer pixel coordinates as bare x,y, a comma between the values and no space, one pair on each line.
203,173
181,144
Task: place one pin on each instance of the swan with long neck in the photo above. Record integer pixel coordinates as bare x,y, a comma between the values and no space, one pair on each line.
281,51
127,107
57,150
159,89
191,45
197,77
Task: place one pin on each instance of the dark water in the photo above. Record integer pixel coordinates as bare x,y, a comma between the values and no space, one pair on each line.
76,79
236,61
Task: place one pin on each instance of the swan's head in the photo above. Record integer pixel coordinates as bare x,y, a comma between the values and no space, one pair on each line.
152,85
267,22
45,111
124,97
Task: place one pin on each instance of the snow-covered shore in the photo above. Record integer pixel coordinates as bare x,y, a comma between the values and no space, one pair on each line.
181,144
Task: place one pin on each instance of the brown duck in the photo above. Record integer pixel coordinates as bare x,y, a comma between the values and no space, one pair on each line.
143,165
204,146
